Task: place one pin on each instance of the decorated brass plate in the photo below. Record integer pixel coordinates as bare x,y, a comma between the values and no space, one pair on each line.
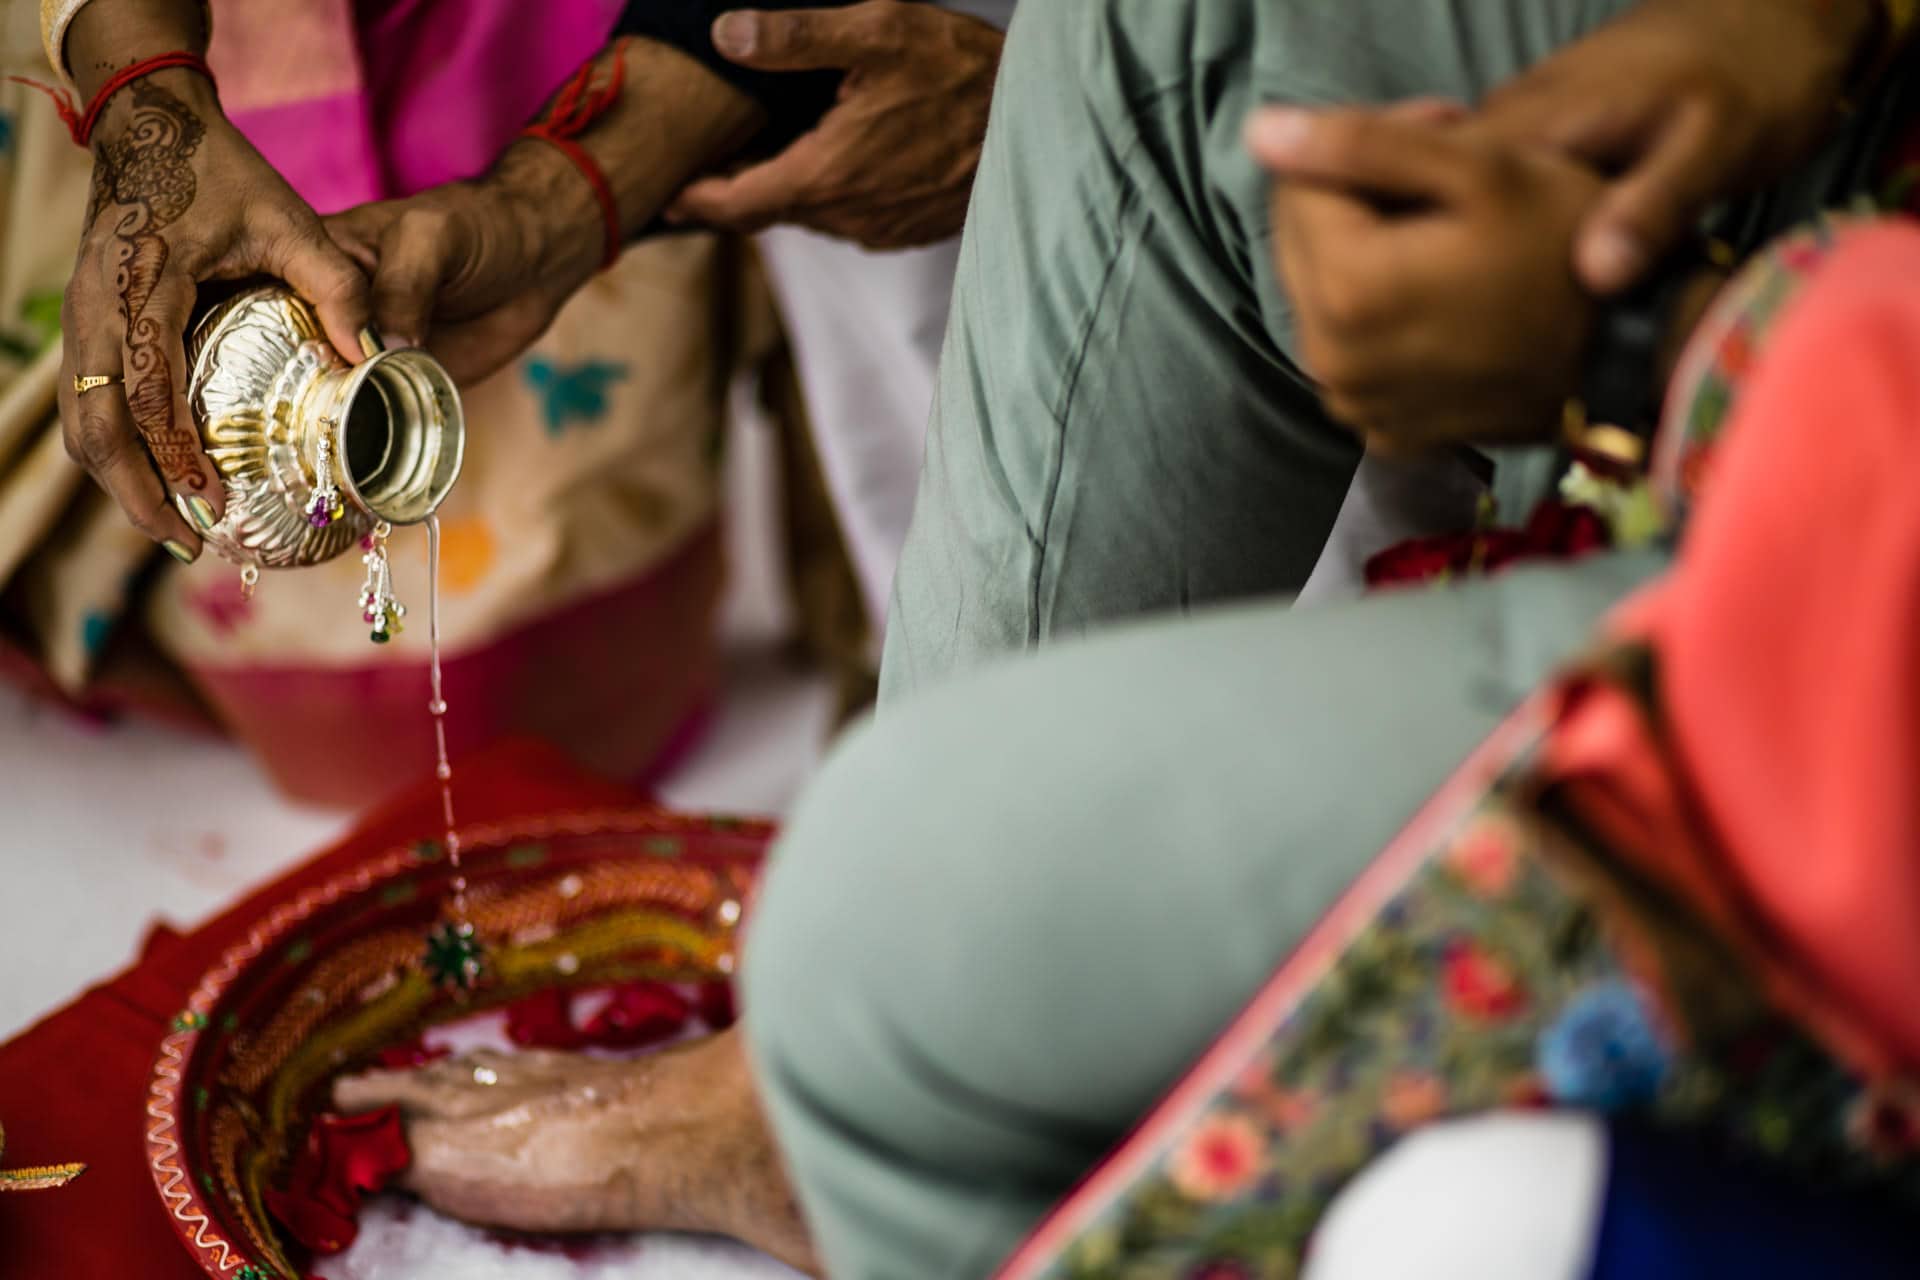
326,980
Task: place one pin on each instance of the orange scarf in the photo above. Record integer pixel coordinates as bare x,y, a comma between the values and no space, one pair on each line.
1781,794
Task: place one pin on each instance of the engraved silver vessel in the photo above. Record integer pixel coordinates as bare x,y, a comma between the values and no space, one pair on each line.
266,387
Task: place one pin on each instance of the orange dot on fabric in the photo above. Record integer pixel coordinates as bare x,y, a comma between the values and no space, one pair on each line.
467,551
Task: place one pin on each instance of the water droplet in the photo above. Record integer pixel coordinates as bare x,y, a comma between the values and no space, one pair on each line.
437,708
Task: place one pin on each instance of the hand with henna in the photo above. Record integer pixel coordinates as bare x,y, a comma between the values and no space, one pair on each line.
179,197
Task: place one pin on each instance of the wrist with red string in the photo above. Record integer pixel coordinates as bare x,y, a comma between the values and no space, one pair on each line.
582,102
82,121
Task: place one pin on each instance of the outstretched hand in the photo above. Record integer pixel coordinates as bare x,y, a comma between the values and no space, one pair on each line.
891,164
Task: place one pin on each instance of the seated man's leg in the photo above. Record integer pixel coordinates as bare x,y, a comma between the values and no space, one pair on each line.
1008,915
1119,428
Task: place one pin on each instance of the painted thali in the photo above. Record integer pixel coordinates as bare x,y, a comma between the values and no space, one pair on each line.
329,981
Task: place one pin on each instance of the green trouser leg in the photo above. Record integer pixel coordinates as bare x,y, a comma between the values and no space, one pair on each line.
1119,428
1011,911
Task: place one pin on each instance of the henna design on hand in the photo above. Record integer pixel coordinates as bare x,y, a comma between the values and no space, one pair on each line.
148,173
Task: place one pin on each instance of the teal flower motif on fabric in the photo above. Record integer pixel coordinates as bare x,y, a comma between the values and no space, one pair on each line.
95,630
571,394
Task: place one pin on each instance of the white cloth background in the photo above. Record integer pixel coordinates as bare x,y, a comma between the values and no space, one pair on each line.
1503,1197
866,330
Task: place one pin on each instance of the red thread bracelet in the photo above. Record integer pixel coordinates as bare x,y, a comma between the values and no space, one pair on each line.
80,125
577,106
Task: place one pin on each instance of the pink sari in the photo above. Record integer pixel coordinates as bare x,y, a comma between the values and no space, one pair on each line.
366,101
586,622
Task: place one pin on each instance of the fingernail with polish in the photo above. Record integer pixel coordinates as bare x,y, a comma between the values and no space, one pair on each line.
197,510
735,34
178,551
1277,132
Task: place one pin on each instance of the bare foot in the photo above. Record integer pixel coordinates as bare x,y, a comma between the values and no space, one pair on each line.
554,1142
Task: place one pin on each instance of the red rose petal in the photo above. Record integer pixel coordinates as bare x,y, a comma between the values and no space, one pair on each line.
641,1013
1556,530
717,1007
345,1158
313,1224
414,1053
364,1153
544,1020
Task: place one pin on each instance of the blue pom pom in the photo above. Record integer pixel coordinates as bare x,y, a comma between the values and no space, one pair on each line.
1604,1052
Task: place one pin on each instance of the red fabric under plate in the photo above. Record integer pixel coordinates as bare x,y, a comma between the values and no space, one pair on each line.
75,1086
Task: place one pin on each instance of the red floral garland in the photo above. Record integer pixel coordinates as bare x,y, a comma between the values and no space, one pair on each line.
1557,531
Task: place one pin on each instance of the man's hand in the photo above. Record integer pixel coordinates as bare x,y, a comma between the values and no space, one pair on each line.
476,271
556,1142
1685,102
891,165
1430,269
178,197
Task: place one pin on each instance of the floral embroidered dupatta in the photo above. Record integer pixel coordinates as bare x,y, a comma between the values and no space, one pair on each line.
1683,882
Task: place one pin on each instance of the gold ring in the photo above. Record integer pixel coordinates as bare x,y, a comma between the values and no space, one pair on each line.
83,385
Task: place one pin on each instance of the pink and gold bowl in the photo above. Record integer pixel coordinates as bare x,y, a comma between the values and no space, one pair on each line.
327,980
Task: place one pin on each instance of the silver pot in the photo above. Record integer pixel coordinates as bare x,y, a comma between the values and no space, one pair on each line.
273,400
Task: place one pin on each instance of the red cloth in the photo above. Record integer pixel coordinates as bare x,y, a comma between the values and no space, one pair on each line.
75,1086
